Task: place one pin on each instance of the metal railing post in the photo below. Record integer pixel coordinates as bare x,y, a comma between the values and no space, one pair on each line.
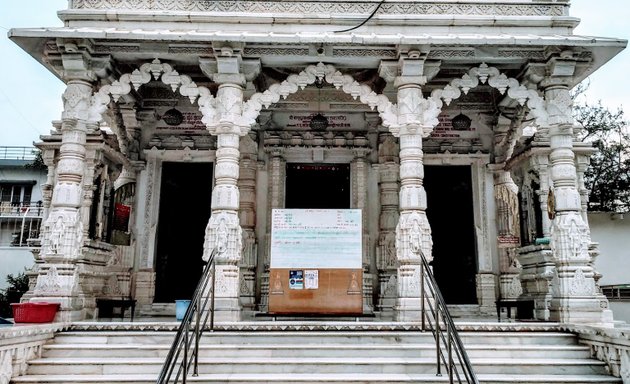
450,354
437,337
197,325
185,361
214,277
422,298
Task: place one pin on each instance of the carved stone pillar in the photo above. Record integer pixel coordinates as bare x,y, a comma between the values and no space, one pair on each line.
508,232
224,231
413,233
277,174
62,232
247,188
575,296
388,173
359,171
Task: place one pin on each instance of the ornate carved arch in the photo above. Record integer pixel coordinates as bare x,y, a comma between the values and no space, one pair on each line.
497,80
211,108
139,77
387,110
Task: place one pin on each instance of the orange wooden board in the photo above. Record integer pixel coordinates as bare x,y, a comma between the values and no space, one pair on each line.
340,291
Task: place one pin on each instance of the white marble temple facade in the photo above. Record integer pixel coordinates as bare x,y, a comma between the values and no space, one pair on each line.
234,83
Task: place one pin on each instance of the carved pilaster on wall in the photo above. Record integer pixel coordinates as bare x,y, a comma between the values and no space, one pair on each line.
248,169
388,185
277,176
508,231
92,161
48,156
359,172
581,164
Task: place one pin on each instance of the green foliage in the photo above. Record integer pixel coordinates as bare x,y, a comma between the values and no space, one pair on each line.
18,285
37,163
608,176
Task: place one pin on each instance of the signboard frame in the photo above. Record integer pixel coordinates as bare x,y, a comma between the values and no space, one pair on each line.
325,243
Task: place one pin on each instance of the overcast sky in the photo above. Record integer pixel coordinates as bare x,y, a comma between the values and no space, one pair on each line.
30,96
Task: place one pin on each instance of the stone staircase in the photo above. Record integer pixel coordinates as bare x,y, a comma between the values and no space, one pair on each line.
279,352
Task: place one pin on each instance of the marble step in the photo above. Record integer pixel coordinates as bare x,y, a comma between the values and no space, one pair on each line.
318,337
330,350
318,378
338,365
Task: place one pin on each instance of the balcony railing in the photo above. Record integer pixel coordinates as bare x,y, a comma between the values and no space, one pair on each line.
19,223
21,209
618,292
17,153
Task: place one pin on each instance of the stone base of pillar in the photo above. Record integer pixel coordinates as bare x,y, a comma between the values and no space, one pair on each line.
486,293
227,304
368,293
227,310
388,284
576,310
408,304
263,306
510,286
145,287
538,267
407,309
247,288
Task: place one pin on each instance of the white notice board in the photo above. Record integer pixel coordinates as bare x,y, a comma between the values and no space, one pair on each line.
316,238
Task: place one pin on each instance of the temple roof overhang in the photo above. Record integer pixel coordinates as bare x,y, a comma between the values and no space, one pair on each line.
472,48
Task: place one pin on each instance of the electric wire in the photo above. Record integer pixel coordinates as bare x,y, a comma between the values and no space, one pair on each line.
364,21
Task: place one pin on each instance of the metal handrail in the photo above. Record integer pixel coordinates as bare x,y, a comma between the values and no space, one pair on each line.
449,348
184,351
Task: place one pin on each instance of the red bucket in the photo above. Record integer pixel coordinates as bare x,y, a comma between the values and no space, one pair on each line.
34,312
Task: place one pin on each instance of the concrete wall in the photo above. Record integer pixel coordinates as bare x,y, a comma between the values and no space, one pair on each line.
612,232
13,261
18,172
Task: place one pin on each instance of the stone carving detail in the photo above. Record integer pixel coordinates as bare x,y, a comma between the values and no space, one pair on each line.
273,51
507,207
62,234
154,70
293,83
570,237
6,367
52,283
76,101
514,288
413,236
495,79
536,55
223,233
328,7
391,53
116,48
450,53
581,286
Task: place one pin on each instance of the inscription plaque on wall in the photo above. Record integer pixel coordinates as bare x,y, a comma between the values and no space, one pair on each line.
325,246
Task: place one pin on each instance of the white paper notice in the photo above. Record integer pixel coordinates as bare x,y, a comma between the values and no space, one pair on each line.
311,279
316,238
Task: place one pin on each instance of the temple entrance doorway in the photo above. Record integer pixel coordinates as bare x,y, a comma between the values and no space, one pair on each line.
185,194
450,213
318,186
